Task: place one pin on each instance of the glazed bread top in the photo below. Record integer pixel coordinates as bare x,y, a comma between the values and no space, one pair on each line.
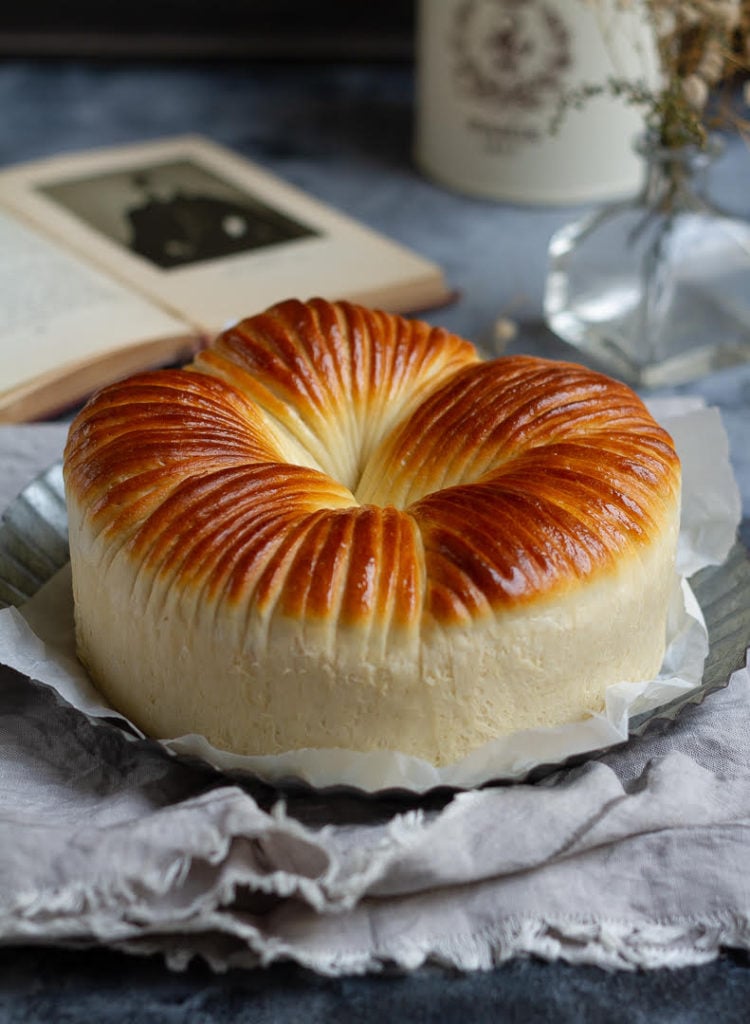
323,460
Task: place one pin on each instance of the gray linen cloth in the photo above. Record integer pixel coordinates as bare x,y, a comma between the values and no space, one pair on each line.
640,858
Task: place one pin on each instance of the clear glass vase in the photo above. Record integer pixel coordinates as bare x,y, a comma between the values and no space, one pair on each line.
657,288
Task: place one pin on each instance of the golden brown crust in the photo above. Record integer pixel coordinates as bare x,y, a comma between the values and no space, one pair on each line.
334,375
324,460
524,476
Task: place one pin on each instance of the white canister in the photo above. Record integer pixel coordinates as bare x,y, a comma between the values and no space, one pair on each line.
490,76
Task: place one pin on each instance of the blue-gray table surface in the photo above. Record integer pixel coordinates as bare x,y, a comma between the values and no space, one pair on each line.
344,134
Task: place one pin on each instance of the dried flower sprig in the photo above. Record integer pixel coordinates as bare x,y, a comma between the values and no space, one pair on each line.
699,44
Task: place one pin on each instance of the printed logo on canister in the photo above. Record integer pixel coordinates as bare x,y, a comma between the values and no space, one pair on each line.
509,62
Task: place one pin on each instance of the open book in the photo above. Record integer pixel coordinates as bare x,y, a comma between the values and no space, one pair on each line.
117,260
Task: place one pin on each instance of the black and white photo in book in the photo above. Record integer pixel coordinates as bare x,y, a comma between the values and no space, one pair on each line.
175,213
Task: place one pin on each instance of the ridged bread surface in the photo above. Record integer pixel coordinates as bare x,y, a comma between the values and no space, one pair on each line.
341,528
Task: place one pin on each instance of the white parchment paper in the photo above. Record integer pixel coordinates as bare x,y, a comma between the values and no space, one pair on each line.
39,641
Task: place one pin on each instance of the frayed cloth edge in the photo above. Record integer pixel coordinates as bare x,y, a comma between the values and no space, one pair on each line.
611,945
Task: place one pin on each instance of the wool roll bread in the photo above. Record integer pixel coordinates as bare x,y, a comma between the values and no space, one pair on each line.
342,528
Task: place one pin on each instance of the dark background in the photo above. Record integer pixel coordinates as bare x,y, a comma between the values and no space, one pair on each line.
209,29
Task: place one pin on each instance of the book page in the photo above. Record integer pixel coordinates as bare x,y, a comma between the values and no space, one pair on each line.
211,236
57,312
